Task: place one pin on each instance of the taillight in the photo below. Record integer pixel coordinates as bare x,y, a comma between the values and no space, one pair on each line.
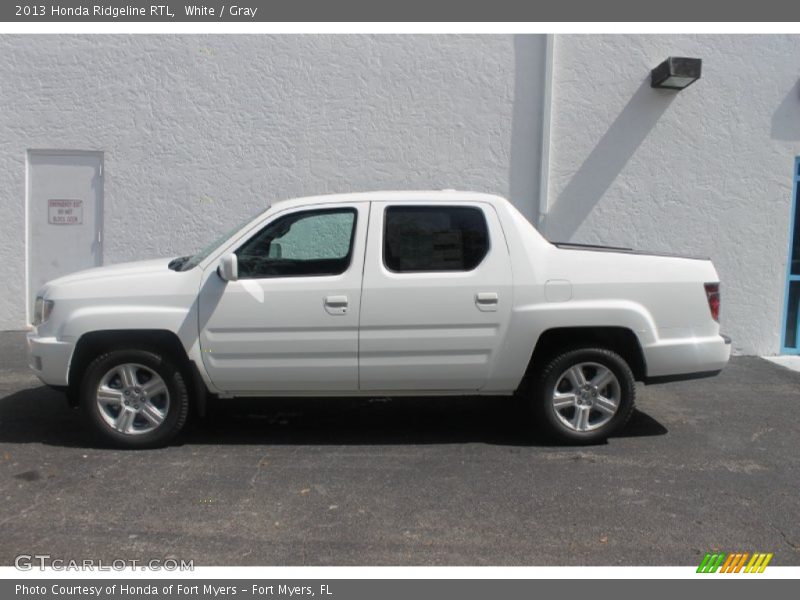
712,293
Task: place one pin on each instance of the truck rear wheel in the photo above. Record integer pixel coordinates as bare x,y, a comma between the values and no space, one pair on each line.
583,395
134,398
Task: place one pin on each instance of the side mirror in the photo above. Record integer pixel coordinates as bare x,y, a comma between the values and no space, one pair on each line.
228,268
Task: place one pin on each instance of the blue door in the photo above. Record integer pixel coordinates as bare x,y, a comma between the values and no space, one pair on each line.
791,311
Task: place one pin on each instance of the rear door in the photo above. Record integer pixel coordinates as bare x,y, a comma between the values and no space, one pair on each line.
436,297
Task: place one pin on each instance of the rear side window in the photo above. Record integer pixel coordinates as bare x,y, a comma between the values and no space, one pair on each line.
434,238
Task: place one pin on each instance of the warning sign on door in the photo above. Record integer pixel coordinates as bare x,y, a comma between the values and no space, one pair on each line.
65,212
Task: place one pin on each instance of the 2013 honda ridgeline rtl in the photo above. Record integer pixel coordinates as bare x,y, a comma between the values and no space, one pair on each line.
386,293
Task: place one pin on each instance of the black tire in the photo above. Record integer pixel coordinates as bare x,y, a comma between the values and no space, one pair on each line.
543,387
175,412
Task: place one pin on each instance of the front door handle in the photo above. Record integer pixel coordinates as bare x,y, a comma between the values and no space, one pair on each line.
487,301
336,305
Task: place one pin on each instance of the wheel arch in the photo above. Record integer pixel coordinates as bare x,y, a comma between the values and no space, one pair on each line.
93,343
621,340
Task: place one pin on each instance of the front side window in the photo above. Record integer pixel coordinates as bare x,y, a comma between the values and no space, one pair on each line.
434,238
309,243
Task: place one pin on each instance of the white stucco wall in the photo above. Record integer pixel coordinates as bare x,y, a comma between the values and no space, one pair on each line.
200,131
705,171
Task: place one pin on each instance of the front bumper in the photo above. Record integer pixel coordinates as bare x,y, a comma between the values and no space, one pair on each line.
49,358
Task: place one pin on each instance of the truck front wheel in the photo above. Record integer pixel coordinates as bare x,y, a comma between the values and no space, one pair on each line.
583,395
134,398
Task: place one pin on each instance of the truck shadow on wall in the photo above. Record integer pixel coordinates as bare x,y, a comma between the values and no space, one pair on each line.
606,161
41,415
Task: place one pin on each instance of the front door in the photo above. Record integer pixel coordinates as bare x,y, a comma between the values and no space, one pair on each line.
437,297
290,323
65,214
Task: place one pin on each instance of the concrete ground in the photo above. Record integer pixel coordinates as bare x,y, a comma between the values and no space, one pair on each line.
704,465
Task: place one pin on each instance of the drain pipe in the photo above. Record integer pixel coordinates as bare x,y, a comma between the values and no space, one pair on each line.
544,167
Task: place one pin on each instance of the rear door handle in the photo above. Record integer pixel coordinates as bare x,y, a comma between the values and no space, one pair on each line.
336,305
487,301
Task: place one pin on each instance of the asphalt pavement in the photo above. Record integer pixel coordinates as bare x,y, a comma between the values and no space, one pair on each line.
707,465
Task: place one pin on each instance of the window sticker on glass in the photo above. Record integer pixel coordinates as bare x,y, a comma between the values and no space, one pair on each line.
309,243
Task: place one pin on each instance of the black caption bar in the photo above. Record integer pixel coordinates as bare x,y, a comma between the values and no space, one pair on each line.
408,10
348,589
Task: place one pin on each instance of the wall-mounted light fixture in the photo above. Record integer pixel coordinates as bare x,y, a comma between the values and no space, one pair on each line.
676,73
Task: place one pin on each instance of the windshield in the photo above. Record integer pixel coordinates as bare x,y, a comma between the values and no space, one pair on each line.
190,262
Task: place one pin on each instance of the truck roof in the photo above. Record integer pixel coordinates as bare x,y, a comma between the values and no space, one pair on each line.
396,196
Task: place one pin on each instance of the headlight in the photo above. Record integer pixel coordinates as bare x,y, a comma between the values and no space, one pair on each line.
41,310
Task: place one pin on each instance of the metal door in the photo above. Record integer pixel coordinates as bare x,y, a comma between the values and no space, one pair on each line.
65,215
432,330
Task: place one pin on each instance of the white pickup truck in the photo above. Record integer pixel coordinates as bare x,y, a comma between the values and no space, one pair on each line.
385,293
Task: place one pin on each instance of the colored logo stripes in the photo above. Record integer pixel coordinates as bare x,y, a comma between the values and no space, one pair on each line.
735,562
